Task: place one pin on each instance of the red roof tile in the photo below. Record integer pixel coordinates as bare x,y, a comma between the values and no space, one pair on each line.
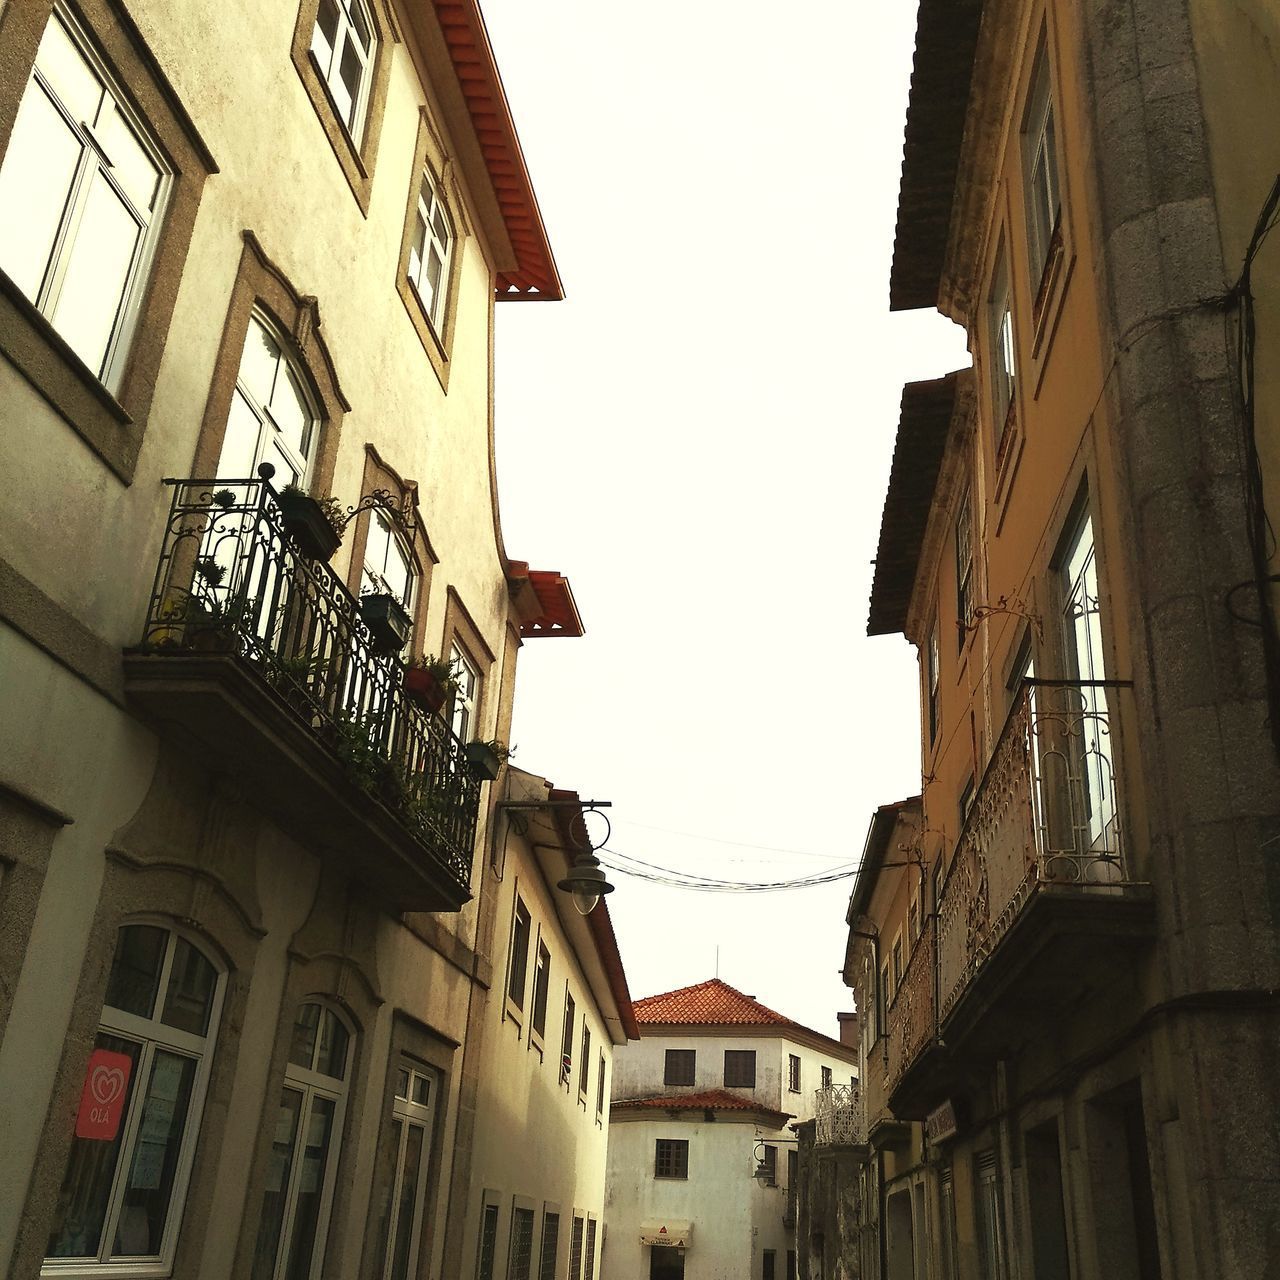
708,1099
712,1003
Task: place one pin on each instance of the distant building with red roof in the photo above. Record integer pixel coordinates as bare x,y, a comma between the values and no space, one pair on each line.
701,1156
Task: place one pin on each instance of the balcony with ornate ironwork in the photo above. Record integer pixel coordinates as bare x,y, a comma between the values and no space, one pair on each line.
1039,900
839,1119
912,1022
256,659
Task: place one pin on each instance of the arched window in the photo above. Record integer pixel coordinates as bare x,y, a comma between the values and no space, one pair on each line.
307,1136
272,417
130,1160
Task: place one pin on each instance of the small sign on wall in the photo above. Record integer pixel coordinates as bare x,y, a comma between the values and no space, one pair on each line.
106,1084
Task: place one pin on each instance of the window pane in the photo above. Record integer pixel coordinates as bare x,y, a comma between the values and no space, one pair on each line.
303,1048
278,1170
402,1083
140,1228
189,1000
290,412
306,1209
131,166
35,182
348,94
240,444
331,1060
360,22
135,969
258,363
69,75
91,1167
325,34
408,1199
89,301
421,1090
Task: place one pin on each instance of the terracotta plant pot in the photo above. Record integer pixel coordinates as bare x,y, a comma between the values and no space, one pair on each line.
424,688
307,525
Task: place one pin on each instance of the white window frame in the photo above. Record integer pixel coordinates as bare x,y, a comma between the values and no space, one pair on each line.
346,36
390,542
933,710
515,1001
1042,176
541,992
463,713
1004,349
408,1112
153,1034
425,241
93,161
314,1084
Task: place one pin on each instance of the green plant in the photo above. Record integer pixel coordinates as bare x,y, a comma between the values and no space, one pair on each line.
330,507
444,673
211,571
305,668
500,749
365,762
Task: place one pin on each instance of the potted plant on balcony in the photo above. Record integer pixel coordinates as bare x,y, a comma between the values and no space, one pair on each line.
486,759
388,622
315,524
431,681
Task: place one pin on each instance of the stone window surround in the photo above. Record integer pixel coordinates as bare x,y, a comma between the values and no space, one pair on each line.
356,159
111,425
378,475
429,152
460,629
260,283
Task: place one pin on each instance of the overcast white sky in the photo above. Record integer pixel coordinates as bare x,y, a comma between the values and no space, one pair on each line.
699,437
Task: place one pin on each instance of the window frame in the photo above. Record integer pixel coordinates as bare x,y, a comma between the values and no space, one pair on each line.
125,1025
541,991
1003,382
517,955
932,680
965,570
740,1058
794,1073
600,1083
676,1151
110,423
311,1084
407,1111
826,1075
769,1159
356,156
547,1262
1039,135
674,1057
436,334
584,1069
566,1036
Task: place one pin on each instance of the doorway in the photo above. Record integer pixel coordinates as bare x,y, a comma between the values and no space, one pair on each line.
665,1264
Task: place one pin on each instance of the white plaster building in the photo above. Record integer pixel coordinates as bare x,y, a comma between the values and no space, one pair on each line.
700,1103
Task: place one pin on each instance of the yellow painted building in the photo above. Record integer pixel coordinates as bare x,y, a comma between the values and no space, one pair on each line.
257,855
1087,1017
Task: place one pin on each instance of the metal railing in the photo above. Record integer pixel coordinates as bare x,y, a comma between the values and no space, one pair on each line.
231,580
1045,813
838,1117
912,1022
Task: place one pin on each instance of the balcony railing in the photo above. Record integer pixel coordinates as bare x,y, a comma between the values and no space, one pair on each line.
838,1117
1046,814
231,581
912,1021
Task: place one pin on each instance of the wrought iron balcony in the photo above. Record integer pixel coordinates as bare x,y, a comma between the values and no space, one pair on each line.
259,656
838,1117
912,1020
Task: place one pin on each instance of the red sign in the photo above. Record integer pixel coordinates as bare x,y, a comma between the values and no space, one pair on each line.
106,1083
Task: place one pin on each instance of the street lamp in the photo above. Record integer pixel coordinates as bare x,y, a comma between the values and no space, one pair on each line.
586,883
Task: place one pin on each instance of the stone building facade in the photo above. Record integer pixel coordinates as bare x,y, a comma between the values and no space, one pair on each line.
256,869
1075,540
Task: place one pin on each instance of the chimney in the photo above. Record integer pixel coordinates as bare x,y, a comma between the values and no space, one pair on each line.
849,1029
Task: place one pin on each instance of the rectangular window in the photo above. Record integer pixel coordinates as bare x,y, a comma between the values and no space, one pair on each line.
897,961
679,1066
488,1243
343,47
466,695
584,1076
913,916
431,249
769,1162
671,1158
740,1068
550,1246
793,1072
575,1249
566,1039
541,984
826,1077
589,1258
520,1256
886,994
770,1264
600,1089
412,1112
964,568
1003,356
519,955
1040,170
990,1234
931,681
82,195
966,800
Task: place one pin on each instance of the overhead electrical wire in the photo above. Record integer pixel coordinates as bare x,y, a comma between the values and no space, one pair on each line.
625,864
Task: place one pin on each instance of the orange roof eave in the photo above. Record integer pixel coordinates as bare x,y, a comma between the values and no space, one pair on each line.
535,277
